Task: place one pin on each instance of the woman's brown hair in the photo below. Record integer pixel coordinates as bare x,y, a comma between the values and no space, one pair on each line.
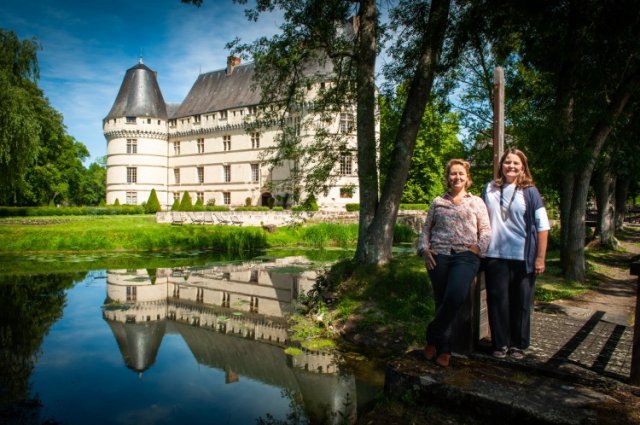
525,179
465,165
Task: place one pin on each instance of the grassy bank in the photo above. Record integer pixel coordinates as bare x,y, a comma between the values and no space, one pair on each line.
121,233
142,233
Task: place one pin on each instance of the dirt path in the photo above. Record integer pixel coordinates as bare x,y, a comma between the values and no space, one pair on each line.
616,295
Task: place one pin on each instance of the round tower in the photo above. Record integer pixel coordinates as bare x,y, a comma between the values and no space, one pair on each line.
136,130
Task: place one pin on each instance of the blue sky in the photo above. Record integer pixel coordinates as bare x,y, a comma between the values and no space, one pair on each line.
87,46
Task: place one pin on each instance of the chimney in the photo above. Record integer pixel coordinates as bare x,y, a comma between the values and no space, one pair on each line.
232,62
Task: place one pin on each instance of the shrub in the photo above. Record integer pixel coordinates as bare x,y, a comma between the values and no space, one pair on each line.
153,204
252,208
414,207
352,207
310,204
116,203
247,201
211,202
186,204
199,206
176,205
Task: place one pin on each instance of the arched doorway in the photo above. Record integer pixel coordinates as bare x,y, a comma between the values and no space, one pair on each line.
265,199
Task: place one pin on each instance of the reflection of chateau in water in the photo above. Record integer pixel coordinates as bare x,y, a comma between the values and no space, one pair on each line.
232,317
249,299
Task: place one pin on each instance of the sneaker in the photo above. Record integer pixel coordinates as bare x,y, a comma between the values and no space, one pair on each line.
501,353
516,353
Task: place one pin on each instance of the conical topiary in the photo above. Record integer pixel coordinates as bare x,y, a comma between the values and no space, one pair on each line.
185,204
153,204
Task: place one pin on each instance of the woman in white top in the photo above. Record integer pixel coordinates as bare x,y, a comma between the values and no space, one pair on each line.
516,254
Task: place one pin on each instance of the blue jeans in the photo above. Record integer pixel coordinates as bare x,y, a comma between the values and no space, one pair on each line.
509,297
451,280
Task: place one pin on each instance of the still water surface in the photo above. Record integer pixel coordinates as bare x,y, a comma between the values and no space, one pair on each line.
188,345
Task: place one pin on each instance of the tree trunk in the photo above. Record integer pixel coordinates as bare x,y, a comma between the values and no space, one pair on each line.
379,238
604,185
366,123
622,192
566,191
574,268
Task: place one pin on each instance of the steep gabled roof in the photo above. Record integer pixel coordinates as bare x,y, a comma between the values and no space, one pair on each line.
216,91
139,95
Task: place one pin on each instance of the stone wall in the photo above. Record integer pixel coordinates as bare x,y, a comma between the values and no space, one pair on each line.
413,219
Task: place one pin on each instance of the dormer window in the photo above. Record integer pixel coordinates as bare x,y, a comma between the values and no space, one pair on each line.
223,115
131,120
172,123
196,119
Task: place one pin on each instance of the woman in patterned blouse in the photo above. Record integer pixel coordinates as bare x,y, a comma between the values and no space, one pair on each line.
455,235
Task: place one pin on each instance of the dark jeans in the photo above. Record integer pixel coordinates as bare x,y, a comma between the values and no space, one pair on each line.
451,280
509,297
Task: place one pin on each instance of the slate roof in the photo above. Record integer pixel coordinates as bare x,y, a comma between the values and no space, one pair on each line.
216,91
139,95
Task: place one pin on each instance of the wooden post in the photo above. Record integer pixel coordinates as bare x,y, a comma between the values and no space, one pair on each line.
634,377
498,118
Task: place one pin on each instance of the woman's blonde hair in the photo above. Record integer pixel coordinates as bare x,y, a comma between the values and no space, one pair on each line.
524,179
467,168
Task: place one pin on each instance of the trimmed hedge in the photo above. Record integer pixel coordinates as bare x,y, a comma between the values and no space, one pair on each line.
60,211
406,207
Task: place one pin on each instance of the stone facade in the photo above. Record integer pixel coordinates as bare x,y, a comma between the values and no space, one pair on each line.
205,145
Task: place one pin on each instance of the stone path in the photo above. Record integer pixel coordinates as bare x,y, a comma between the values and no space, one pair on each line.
593,331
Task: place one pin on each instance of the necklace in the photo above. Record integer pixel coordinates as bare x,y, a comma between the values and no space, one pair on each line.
506,212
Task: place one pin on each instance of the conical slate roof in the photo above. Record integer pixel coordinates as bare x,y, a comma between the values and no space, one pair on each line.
139,95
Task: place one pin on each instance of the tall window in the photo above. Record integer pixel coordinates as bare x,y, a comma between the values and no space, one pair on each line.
132,175
255,172
132,293
132,198
176,176
347,123
200,145
226,196
255,140
346,165
227,173
132,146
226,142
176,148
176,196
200,174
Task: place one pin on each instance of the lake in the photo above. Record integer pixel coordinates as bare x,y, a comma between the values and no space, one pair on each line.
165,345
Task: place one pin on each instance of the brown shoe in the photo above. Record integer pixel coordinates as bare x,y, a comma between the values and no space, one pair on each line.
430,352
443,359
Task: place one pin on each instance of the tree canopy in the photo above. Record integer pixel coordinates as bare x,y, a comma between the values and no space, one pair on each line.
39,162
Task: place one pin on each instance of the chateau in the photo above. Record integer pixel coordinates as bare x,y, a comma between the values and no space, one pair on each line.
206,145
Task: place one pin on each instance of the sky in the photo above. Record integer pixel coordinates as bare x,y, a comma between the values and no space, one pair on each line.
87,46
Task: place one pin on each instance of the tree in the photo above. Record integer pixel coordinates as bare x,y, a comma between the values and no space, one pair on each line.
586,61
436,143
185,203
153,204
314,32
20,124
40,163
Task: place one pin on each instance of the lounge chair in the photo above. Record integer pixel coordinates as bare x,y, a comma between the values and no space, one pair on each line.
176,217
221,220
